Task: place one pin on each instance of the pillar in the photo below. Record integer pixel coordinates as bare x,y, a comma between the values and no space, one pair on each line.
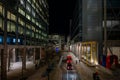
23,57
34,55
4,52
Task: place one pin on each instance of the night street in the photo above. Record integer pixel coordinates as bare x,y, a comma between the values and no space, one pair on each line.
59,39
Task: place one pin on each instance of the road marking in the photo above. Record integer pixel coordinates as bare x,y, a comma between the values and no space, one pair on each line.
60,61
67,74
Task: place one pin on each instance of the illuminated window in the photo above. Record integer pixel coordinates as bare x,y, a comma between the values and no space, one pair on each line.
21,22
33,28
20,30
10,27
28,7
27,16
32,34
33,5
28,32
28,26
34,1
37,30
22,2
33,20
21,11
11,16
1,24
39,37
33,12
29,1
37,23
37,5
36,35
8,15
1,9
40,31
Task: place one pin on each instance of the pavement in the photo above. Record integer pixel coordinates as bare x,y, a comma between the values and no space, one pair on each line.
86,71
16,73
35,74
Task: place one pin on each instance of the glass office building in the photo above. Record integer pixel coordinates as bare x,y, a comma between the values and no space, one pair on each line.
26,21
23,32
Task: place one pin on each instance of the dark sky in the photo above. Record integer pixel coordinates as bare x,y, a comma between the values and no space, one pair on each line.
60,12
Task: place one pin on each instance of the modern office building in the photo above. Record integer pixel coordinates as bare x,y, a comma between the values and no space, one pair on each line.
23,30
88,27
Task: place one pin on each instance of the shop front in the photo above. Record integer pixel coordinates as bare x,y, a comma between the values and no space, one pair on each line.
89,52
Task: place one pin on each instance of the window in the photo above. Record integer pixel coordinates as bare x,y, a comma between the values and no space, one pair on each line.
28,32
28,26
28,7
29,1
37,23
36,35
33,12
22,2
33,5
21,22
39,36
1,10
32,34
27,16
10,27
11,16
33,20
13,27
8,15
21,11
20,30
34,1
40,31
33,28
1,24
36,30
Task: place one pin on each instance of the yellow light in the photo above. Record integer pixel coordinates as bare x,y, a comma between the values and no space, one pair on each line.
91,60
96,63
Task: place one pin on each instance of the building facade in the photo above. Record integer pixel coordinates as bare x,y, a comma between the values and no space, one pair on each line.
23,27
88,25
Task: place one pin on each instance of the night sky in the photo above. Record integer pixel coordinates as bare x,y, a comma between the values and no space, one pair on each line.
60,11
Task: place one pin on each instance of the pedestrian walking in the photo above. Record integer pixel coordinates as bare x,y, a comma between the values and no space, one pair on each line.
76,61
96,76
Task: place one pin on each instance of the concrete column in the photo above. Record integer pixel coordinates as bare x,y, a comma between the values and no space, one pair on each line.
33,55
24,58
8,59
4,52
13,54
40,53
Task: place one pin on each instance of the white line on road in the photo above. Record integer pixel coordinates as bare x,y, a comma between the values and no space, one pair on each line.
67,74
60,61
